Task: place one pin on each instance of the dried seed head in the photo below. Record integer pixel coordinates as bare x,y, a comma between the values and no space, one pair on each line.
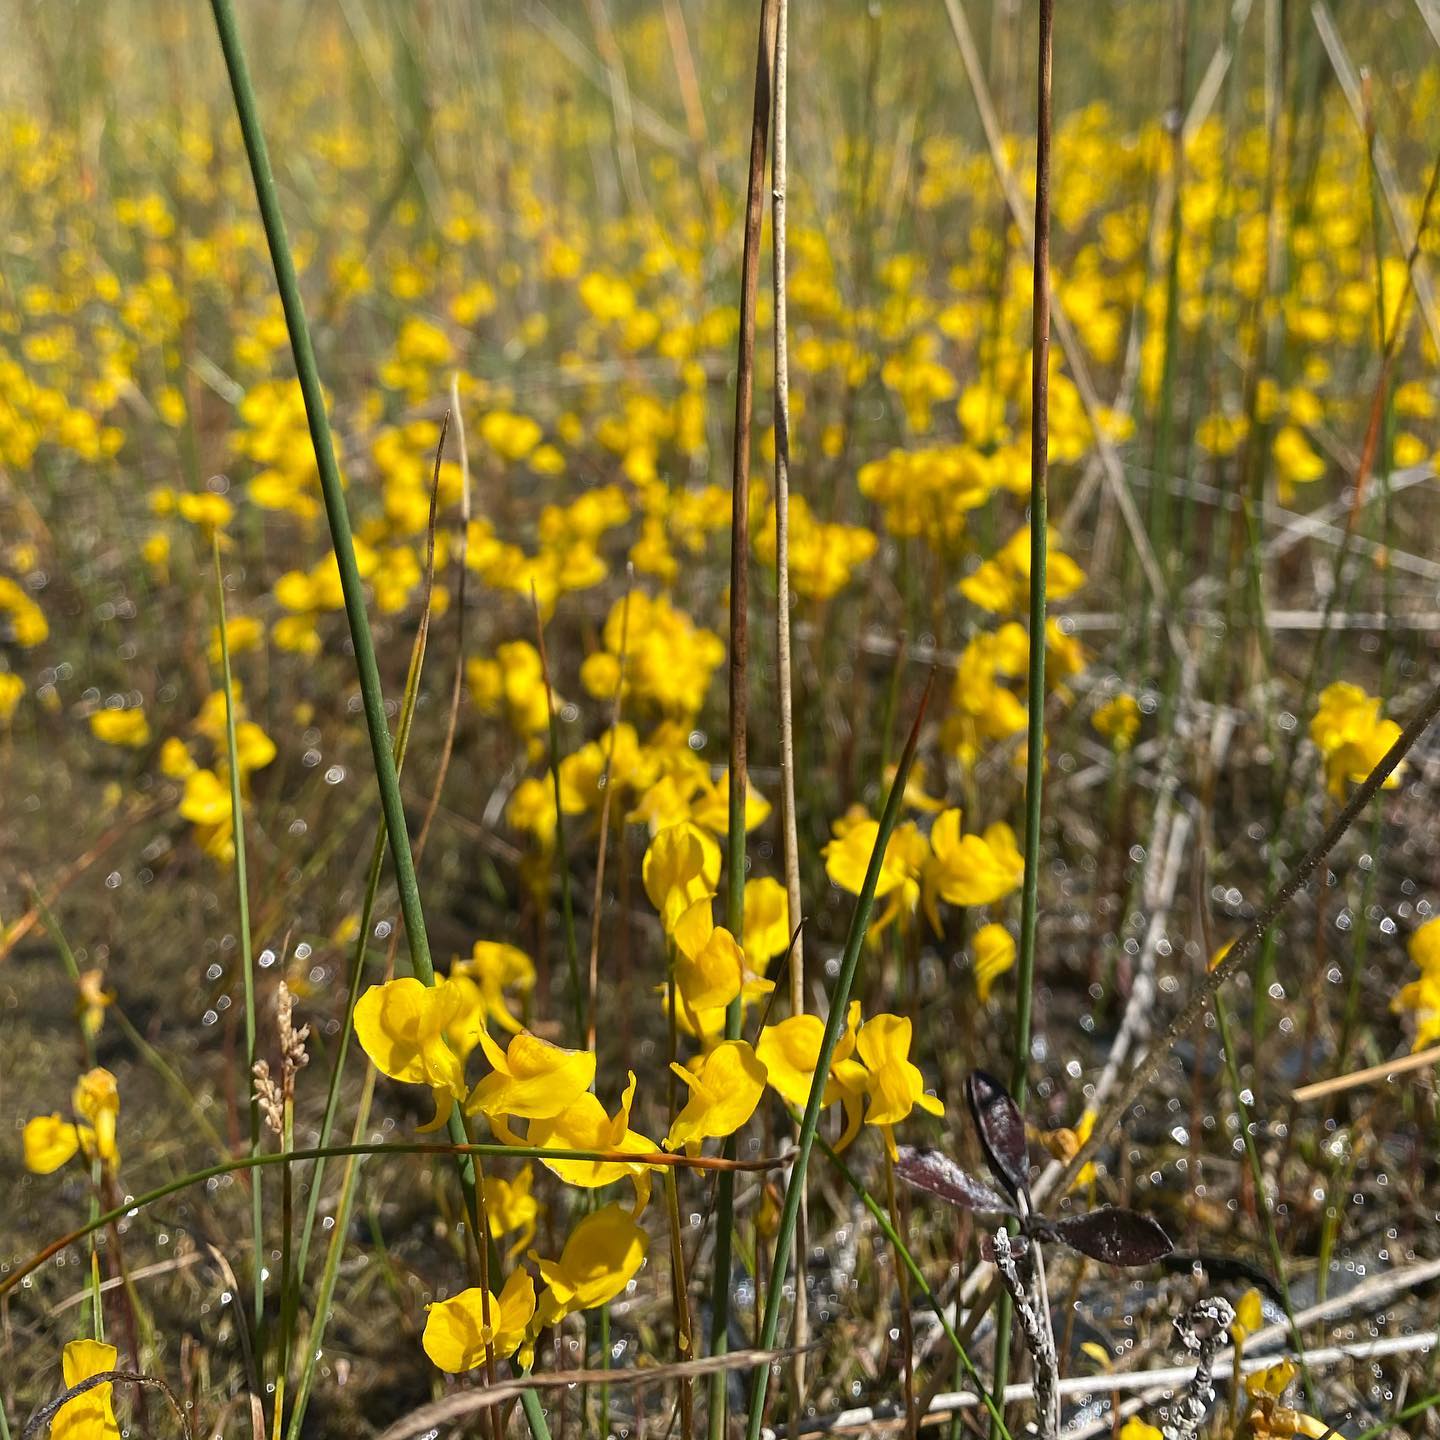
269,1098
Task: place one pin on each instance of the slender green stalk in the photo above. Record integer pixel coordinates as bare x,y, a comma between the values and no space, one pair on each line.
1428,1402
357,963
834,1023
739,670
247,957
918,1276
338,517
480,1149
67,956
1039,552
562,854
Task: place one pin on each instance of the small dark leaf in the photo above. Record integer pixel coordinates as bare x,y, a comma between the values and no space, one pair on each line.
1018,1246
1002,1131
936,1172
1113,1236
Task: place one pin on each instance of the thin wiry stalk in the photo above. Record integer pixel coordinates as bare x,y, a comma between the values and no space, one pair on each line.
321,1314
486,1150
338,518
562,854
457,684
1039,548
607,796
834,1023
917,1275
372,879
247,958
789,835
739,673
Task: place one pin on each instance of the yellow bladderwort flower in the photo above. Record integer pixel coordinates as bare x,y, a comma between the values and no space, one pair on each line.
1136,1429
767,922
12,687
97,1102
496,967
681,866
1268,1419
90,1415
790,1050
456,1335
1422,996
847,857
601,1256
584,1125
724,1091
128,728
970,869
1118,720
510,1205
1349,733
532,1080
1249,1317
91,1000
710,969
402,1026
51,1141
894,1084
994,948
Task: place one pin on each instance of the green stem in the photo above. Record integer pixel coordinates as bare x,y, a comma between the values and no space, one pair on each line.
247,958
338,517
1039,556
834,1023
482,1149
918,1276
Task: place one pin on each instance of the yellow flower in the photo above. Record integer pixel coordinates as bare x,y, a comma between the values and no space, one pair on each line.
1268,1419
50,1142
206,800
91,1000
532,1080
894,1084
90,1415
970,869
790,1050
847,858
994,948
121,727
1351,736
1118,720
1136,1429
511,1205
681,866
402,1027
584,1125
1249,1317
767,922
601,1256
96,1100
456,1335
495,968
12,687
724,1092
709,964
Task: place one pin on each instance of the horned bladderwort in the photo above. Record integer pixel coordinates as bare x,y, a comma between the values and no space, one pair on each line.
1111,1235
